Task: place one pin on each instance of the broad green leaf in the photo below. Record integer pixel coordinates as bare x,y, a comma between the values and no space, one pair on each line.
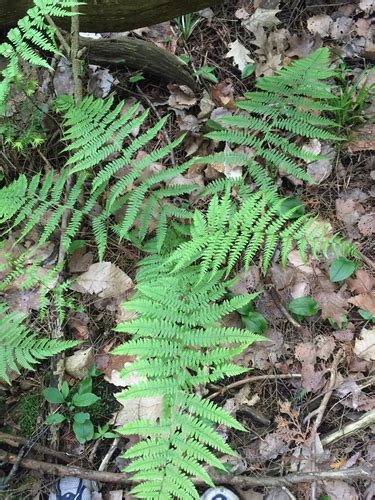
255,322
81,417
85,385
86,399
53,395
83,431
247,71
304,306
65,389
55,418
341,268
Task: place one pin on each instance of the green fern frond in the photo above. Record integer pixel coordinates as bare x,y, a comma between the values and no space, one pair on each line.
31,33
20,348
277,116
179,341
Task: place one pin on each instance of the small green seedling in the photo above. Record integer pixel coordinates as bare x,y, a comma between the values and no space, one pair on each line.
367,315
138,77
247,71
80,397
207,72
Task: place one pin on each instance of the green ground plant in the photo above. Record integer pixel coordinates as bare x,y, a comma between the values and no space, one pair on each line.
178,338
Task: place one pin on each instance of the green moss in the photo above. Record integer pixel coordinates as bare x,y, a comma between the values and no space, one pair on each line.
29,412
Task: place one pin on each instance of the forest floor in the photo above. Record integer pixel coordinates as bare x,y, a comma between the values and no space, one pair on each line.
315,376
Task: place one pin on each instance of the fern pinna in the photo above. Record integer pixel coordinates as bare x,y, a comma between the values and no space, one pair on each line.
285,108
180,343
20,347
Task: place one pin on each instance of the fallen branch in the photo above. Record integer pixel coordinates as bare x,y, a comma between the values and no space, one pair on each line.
249,380
365,421
16,441
364,472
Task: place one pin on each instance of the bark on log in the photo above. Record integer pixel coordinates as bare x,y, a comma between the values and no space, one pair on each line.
139,55
112,15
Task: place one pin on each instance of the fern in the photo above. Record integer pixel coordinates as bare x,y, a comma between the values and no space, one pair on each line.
229,232
19,347
179,343
31,33
285,108
96,132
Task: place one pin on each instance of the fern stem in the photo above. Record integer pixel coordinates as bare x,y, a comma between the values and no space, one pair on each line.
59,35
76,63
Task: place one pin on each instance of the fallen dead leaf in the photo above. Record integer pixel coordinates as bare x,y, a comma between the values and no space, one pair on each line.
103,279
80,261
362,283
366,224
339,490
324,346
312,380
246,281
341,28
333,306
320,24
363,139
137,409
79,364
182,97
364,346
240,55
272,446
364,301
262,18
349,211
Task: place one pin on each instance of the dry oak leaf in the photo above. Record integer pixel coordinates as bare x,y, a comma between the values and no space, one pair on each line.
103,279
339,490
262,18
364,301
363,139
240,55
364,346
333,306
137,409
362,283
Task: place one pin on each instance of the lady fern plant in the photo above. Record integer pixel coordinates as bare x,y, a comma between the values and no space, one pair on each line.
180,343
276,119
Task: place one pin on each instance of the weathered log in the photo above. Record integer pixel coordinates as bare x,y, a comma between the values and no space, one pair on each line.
139,55
112,15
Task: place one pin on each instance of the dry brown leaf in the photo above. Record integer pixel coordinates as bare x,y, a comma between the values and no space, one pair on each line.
362,283
364,301
364,346
24,300
80,260
320,24
182,97
137,409
368,6
312,380
341,28
246,281
108,363
339,490
271,447
302,46
363,139
78,326
262,18
366,224
333,306
240,55
349,211
103,279
79,364
324,346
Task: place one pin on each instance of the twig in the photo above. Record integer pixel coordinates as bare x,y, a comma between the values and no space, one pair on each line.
283,309
16,441
249,380
365,421
109,454
76,63
319,412
364,472
58,33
